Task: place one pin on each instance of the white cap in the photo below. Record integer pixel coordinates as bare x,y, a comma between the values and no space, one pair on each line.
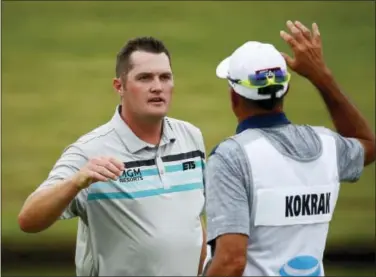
251,57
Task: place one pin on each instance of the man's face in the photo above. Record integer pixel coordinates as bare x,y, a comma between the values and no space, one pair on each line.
148,85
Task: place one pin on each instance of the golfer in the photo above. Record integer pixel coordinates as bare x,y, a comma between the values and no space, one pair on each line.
136,182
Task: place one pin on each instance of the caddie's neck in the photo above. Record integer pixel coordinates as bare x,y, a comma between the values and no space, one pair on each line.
244,108
146,129
247,112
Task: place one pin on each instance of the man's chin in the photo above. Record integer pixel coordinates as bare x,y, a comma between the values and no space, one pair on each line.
156,114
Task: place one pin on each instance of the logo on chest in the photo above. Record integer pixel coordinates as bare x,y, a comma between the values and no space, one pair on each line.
189,165
131,175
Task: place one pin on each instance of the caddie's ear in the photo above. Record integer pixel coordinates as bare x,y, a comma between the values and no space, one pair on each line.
234,98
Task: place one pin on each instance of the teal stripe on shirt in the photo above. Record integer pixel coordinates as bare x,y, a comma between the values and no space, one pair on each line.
169,169
149,172
144,193
154,172
173,179
179,167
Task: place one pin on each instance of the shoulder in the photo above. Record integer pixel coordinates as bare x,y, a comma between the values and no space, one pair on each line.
75,154
343,144
338,138
187,131
228,149
94,138
183,126
320,130
326,132
233,145
223,147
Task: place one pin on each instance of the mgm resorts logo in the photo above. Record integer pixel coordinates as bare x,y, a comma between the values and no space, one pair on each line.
131,175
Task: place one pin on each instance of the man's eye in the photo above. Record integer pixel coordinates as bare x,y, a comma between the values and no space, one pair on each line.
165,77
144,77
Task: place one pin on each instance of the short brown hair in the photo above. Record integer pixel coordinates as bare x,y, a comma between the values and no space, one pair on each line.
147,44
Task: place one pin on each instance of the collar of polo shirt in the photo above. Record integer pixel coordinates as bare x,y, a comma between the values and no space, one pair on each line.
263,121
133,142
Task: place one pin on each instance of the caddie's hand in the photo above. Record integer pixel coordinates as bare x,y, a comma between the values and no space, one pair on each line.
100,169
306,46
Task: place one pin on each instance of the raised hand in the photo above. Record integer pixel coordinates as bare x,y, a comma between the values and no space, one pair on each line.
308,59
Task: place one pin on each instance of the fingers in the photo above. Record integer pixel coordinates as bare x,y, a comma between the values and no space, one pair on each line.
104,171
117,163
289,39
288,59
300,33
295,31
106,167
98,177
316,34
306,46
305,31
301,37
111,167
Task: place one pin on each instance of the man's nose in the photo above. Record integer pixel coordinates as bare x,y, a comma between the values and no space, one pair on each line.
156,86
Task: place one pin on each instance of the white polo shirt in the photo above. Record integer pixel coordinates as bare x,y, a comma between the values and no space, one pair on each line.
148,221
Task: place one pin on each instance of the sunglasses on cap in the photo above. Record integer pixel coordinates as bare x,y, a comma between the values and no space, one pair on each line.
264,79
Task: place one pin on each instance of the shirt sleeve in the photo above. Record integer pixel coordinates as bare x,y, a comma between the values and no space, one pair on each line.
201,147
350,153
70,162
227,192
203,163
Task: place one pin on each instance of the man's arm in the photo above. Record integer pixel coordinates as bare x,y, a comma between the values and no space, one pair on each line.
45,206
227,208
346,118
203,255
58,195
203,248
230,256
308,61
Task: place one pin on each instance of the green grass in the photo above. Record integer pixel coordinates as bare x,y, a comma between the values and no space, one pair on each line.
58,61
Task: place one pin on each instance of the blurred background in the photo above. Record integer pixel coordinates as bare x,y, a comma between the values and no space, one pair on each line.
58,61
